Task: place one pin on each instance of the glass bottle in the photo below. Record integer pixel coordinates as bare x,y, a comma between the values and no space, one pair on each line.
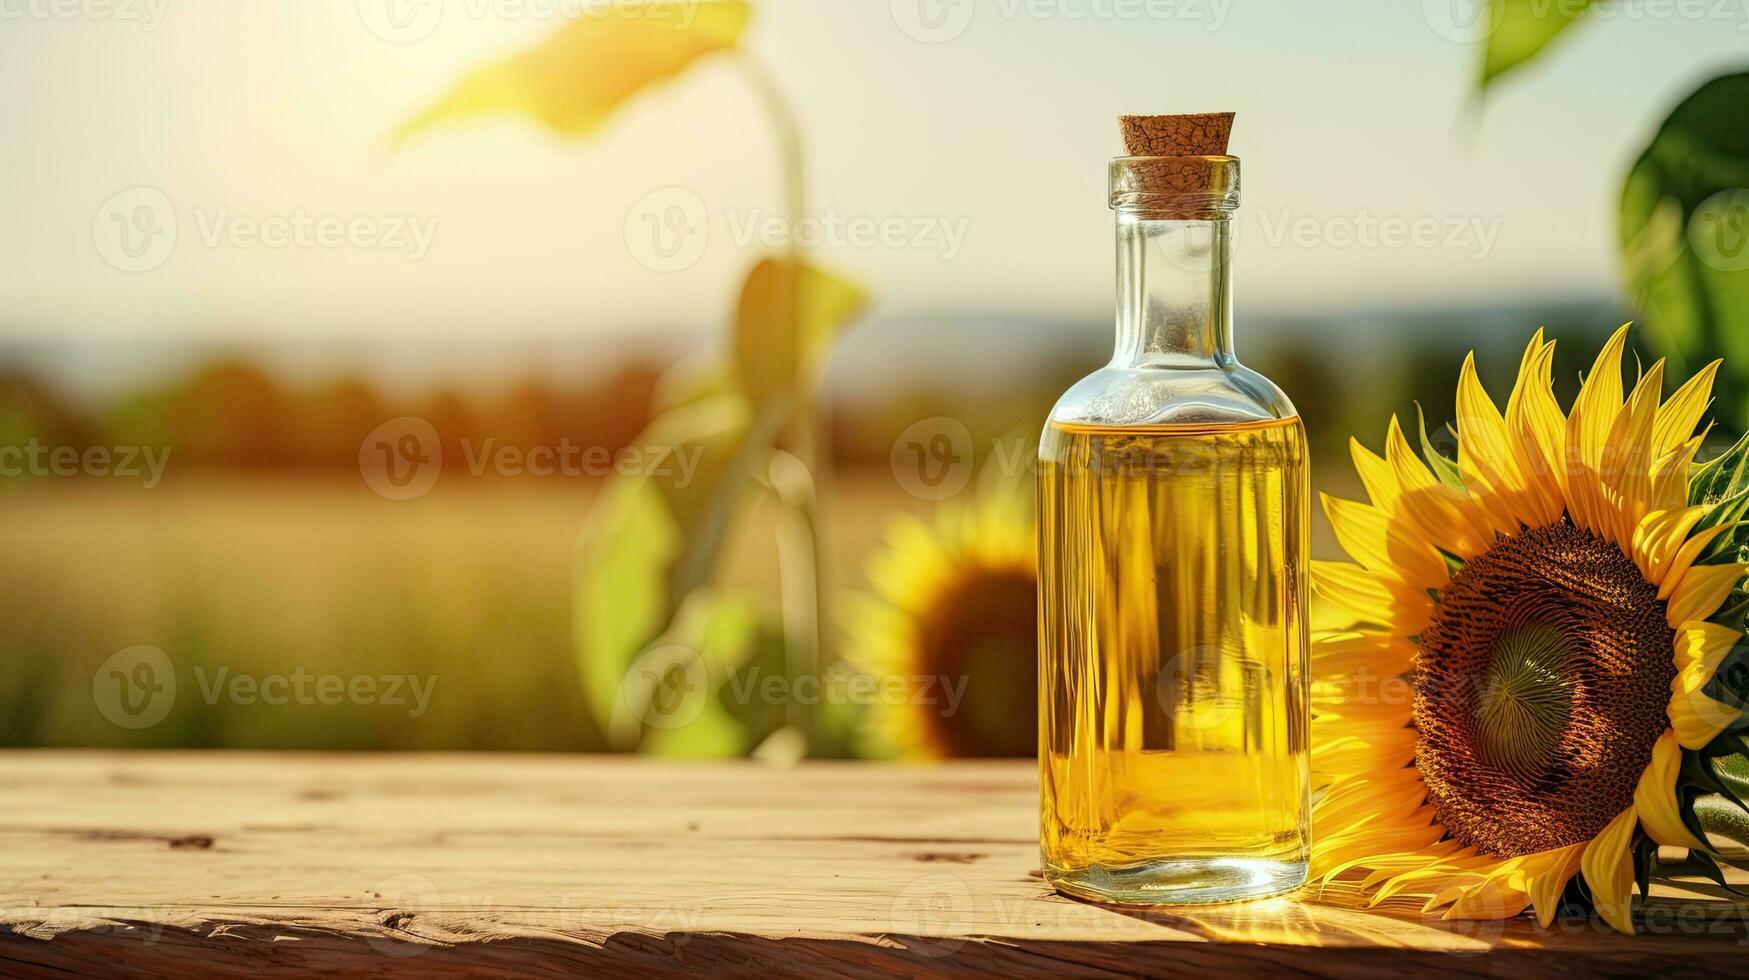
1173,511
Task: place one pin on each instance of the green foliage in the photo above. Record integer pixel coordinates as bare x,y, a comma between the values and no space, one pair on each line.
1443,466
787,320
577,78
1685,238
649,550
1711,788
629,542
1518,30
1723,483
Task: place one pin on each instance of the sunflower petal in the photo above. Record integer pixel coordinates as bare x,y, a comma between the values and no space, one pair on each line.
1444,516
1353,755
1698,719
1659,538
1344,653
1377,598
1588,426
1485,456
1496,896
1699,591
1546,876
1655,796
1626,464
1670,474
1609,872
1538,429
1391,795
1694,716
1385,546
1671,574
1375,475
1678,416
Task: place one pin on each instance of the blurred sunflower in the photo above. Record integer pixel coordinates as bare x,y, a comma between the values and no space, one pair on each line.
954,607
1547,610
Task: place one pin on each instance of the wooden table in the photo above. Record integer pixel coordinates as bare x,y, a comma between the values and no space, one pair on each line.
236,863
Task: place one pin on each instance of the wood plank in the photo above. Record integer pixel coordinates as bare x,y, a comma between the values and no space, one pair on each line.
228,863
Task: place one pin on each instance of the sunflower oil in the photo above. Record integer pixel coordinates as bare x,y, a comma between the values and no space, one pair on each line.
1173,759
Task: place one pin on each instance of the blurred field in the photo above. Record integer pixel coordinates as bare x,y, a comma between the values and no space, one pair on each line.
469,584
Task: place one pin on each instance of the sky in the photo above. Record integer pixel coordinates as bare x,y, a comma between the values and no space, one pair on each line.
955,150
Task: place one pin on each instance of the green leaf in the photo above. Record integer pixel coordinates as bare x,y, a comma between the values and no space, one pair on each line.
688,516
620,590
652,537
671,700
1721,479
1684,239
1719,816
789,315
1696,864
1732,771
1519,30
576,79
1446,470
714,734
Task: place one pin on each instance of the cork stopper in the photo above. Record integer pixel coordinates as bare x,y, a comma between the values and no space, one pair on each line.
1200,134
1177,166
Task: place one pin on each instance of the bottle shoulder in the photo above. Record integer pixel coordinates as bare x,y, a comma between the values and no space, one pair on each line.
1208,394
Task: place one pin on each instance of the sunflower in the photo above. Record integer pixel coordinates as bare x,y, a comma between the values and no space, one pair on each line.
1531,702
954,607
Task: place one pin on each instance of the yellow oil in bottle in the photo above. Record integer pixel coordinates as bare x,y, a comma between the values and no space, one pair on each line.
1172,754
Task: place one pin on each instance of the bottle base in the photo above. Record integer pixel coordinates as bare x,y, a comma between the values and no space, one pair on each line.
1180,881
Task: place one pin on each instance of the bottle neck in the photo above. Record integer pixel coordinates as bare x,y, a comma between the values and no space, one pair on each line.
1174,292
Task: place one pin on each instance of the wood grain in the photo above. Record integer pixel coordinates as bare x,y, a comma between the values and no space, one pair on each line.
228,864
